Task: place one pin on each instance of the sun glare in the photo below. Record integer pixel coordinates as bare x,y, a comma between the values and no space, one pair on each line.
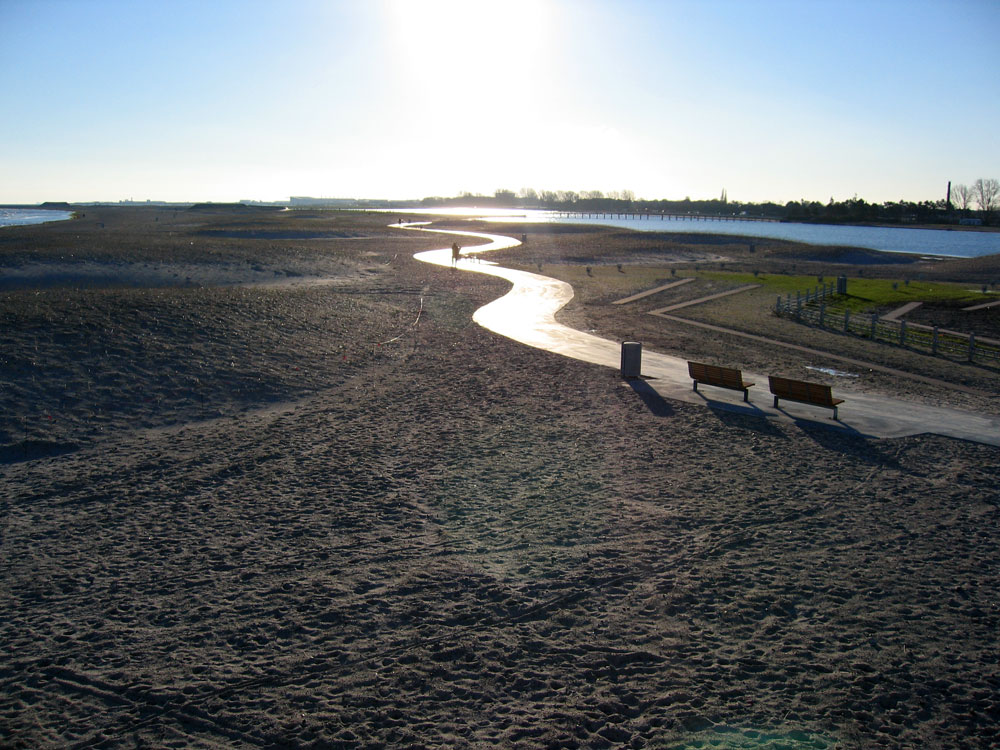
469,42
450,60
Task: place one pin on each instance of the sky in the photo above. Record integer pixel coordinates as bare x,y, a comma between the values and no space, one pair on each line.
225,100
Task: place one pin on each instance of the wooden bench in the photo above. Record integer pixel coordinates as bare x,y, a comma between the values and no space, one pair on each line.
721,377
803,392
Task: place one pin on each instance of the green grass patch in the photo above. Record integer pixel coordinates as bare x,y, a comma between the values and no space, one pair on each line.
887,292
773,282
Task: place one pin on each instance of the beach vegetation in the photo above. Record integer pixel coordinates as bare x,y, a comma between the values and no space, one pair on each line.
866,291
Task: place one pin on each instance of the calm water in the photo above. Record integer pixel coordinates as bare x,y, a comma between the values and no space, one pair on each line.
17,216
955,243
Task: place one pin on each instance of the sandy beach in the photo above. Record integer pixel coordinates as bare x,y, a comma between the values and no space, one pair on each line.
264,483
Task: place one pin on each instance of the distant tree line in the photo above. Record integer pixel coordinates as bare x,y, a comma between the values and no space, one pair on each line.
980,200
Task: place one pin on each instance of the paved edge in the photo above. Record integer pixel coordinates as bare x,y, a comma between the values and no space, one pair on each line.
704,299
649,292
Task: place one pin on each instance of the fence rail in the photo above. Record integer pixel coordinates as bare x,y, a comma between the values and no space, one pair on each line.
818,307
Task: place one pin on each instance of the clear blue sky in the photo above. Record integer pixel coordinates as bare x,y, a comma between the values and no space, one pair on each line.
231,99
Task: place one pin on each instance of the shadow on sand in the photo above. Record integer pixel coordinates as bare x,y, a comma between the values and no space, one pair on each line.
29,450
745,417
838,437
653,400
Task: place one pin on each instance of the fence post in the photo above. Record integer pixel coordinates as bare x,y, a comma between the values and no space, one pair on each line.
902,333
972,346
847,321
874,324
798,305
934,340
822,313
777,305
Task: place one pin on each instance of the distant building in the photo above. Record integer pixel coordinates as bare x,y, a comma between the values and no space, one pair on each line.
971,222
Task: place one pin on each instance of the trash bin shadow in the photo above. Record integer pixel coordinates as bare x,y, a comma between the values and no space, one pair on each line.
656,404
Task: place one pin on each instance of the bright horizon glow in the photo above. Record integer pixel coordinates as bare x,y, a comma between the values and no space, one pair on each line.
401,99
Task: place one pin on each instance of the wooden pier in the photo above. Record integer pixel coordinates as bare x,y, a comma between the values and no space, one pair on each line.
655,215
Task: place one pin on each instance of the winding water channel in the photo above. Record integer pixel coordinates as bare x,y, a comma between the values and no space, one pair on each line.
527,314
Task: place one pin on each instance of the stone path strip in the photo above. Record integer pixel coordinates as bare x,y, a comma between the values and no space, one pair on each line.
899,312
704,299
649,292
983,306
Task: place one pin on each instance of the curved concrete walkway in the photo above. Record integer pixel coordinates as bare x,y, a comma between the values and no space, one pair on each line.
527,314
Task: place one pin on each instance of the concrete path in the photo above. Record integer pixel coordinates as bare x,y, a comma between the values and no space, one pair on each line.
657,290
899,312
698,301
982,306
527,314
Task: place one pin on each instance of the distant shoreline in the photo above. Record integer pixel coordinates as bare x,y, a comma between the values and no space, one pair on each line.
886,238
477,210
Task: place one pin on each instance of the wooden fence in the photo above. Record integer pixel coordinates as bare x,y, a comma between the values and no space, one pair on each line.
819,307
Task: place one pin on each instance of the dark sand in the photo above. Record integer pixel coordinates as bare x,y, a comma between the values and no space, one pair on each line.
345,516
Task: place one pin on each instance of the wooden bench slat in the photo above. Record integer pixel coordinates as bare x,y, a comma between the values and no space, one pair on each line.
804,392
723,377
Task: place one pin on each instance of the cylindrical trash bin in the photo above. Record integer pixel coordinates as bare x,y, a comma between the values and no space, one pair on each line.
631,359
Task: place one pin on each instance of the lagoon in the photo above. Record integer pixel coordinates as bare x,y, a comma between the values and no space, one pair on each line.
955,243
21,216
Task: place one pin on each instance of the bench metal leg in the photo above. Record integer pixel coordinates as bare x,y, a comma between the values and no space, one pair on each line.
746,395
775,402
696,386
835,412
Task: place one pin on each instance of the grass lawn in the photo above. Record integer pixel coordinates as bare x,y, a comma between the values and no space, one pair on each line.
863,294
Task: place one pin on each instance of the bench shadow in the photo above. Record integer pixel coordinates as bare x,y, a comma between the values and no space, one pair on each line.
838,437
742,407
745,417
656,404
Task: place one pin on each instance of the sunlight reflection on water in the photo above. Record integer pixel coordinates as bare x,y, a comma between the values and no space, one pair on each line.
10,217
